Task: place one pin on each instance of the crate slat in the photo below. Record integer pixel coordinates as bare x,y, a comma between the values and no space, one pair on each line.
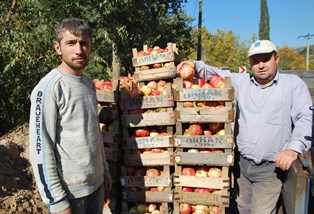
148,119
148,196
221,114
165,158
201,182
189,158
166,72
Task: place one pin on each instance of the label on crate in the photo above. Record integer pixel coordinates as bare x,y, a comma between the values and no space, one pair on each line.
200,198
153,58
147,181
146,102
148,142
205,94
148,196
224,141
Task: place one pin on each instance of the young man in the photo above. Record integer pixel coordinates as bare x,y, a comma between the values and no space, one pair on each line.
273,125
66,148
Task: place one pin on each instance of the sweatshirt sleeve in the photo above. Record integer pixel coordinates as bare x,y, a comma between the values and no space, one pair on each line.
42,136
106,166
205,71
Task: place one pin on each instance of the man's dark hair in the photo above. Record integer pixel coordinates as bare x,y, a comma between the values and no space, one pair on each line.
75,26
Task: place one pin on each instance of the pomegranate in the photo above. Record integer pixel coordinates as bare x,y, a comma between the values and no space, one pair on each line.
188,171
194,129
216,81
185,208
186,71
142,132
146,90
214,172
152,172
152,84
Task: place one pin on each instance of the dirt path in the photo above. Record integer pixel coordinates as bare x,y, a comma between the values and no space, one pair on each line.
18,193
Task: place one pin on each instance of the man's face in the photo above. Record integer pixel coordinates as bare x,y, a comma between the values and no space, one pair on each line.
264,67
75,51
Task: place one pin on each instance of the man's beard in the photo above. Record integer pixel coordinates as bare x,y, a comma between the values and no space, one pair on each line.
79,66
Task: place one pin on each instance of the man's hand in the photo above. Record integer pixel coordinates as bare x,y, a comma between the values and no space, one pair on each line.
108,185
285,158
189,62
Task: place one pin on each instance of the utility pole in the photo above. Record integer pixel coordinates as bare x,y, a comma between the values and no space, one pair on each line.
199,42
308,37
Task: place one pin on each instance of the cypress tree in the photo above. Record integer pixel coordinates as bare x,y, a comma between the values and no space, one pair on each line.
264,28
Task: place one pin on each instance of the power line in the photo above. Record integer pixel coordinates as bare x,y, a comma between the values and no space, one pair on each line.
307,37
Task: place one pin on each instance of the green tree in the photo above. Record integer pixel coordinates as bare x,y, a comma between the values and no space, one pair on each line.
25,50
291,59
26,41
221,50
132,23
264,29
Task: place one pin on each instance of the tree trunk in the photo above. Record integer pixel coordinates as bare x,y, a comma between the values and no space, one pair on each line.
116,62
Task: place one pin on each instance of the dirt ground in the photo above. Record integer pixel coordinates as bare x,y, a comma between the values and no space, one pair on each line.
18,193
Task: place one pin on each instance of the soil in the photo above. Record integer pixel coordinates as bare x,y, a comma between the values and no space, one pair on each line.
18,193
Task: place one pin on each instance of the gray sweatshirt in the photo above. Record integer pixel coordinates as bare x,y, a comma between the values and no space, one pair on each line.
66,149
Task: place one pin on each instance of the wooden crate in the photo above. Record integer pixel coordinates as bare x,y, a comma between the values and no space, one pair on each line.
111,139
165,72
113,154
212,94
170,56
115,172
108,113
148,142
111,133
168,59
176,208
147,196
201,182
109,96
146,102
144,188
203,115
222,184
210,159
202,141
165,141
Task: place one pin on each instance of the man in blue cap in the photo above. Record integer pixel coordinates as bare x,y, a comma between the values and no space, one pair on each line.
273,125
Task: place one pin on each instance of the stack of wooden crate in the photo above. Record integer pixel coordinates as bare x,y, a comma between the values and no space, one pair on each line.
202,179
147,123
108,112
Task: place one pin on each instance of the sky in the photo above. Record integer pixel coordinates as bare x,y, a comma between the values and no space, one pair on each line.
289,19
